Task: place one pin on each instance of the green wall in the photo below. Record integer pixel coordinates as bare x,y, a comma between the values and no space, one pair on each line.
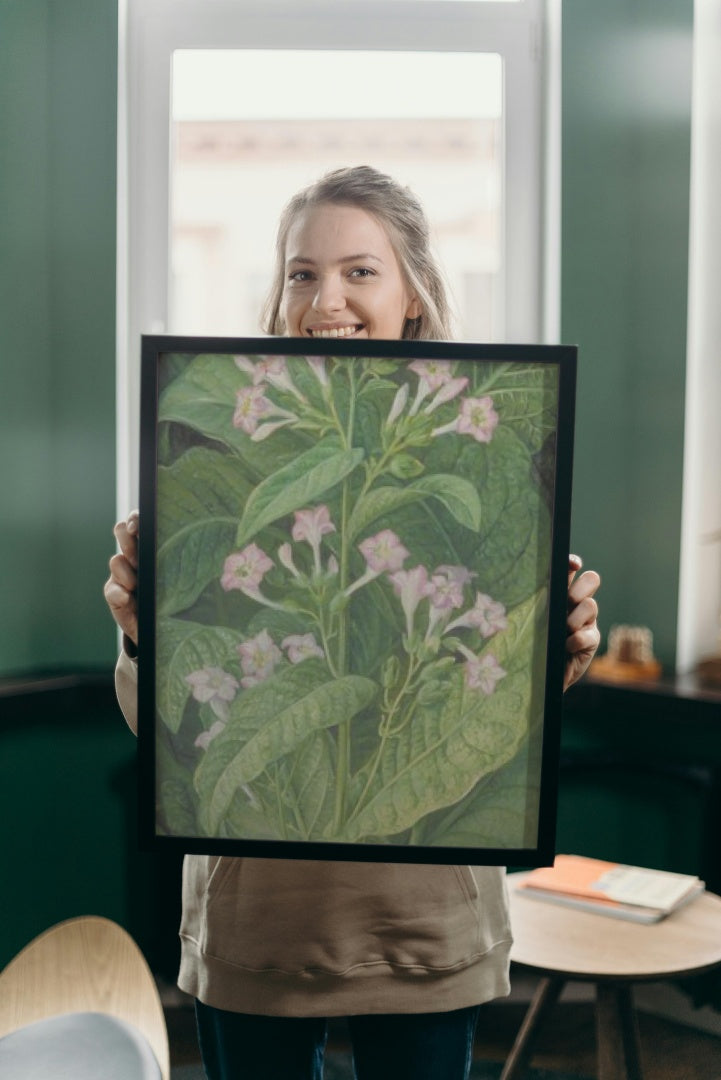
68,798
58,72
626,145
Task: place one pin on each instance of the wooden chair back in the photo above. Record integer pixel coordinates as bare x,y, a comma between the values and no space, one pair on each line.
87,964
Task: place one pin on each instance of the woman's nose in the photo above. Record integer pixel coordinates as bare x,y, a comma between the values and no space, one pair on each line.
329,296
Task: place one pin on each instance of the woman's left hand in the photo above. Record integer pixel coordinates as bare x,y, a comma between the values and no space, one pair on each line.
583,635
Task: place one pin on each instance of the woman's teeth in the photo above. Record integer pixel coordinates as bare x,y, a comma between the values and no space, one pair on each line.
337,331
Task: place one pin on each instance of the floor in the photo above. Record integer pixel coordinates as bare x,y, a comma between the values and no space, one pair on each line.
670,1051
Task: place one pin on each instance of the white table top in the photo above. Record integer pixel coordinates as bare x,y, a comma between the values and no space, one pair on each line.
583,945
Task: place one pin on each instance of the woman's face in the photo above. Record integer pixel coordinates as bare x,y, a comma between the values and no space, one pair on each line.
342,277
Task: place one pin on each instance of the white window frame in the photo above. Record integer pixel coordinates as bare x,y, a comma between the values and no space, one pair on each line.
699,597
526,34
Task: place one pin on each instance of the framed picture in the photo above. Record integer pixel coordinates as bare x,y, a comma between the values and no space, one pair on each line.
352,597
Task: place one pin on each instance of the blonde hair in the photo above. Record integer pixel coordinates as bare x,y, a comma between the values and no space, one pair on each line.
403,217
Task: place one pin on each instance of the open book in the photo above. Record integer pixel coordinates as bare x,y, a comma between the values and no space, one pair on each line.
608,888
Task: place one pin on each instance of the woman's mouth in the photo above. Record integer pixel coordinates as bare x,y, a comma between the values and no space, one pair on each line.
334,331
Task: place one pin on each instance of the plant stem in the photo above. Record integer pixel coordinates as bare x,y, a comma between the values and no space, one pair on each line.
279,803
386,733
326,648
343,762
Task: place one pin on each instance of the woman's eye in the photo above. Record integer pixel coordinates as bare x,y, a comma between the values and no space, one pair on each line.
300,276
362,272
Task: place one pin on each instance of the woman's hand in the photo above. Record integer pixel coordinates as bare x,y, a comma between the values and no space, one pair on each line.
583,635
121,587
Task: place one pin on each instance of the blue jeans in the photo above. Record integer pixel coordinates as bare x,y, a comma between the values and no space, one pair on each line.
413,1046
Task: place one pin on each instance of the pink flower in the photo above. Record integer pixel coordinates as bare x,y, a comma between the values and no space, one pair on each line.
317,366
486,615
285,554
264,430
213,686
445,393
434,373
445,429
399,404
301,647
258,657
275,371
254,370
206,737
445,592
461,575
411,586
444,595
312,525
251,405
447,584
477,418
482,673
383,552
272,369
245,569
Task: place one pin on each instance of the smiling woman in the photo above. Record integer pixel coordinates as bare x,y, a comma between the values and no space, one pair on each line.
353,259
342,652
338,295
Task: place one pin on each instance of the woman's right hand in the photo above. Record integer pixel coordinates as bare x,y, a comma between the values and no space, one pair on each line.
121,587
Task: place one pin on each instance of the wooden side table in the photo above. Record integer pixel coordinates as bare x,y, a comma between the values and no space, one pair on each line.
563,944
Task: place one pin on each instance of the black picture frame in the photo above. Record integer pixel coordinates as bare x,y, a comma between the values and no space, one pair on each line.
353,568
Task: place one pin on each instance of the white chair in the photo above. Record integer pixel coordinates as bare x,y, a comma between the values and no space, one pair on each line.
79,1002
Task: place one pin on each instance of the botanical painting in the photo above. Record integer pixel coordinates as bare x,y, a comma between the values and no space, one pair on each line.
351,597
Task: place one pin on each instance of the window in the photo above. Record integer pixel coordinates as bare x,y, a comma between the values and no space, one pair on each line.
227,107
236,159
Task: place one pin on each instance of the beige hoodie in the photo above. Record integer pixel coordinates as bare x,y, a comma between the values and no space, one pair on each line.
285,937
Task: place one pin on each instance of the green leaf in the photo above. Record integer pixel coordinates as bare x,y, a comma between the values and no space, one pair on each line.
459,496
455,493
448,748
279,624
525,398
391,671
284,711
184,647
247,819
385,366
512,547
500,812
377,385
405,467
308,777
296,485
176,801
203,396
176,805
377,504
376,624
200,500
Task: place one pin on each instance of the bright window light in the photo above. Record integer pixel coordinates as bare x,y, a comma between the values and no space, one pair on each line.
251,127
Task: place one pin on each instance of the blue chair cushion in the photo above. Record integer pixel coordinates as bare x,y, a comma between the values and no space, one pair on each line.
78,1046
